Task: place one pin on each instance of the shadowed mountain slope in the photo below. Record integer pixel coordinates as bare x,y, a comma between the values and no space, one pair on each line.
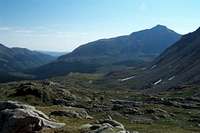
178,65
142,46
13,61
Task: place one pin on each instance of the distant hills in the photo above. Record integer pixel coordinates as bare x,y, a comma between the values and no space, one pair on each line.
52,53
114,53
15,60
177,65
18,59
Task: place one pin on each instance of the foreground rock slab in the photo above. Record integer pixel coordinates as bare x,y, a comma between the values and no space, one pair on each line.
16,117
104,126
72,112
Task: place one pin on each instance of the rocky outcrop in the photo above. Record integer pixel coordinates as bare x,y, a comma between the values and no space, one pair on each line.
72,112
104,126
16,117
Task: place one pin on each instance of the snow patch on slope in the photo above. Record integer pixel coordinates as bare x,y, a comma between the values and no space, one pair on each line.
157,82
125,79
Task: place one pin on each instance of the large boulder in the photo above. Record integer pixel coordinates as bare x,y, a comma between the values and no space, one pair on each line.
16,117
104,126
72,112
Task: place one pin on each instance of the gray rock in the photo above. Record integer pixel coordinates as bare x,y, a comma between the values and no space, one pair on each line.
72,112
16,117
104,126
113,123
127,103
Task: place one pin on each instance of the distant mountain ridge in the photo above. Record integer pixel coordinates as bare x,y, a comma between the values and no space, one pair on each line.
139,46
13,61
52,53
142,45
177,65
18,59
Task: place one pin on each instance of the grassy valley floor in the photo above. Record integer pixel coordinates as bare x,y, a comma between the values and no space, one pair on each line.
79,99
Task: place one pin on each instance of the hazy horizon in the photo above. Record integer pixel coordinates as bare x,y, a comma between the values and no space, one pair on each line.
63,25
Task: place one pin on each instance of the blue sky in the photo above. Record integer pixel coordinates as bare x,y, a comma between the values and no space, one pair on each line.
62,25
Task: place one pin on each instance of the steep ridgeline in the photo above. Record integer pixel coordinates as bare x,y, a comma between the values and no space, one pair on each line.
114,53
142,45
177,65
15,60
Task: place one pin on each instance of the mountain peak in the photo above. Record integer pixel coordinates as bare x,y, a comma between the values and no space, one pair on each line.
2,46
198,30
160,27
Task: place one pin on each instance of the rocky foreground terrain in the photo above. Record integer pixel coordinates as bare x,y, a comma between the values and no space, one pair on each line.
77,103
